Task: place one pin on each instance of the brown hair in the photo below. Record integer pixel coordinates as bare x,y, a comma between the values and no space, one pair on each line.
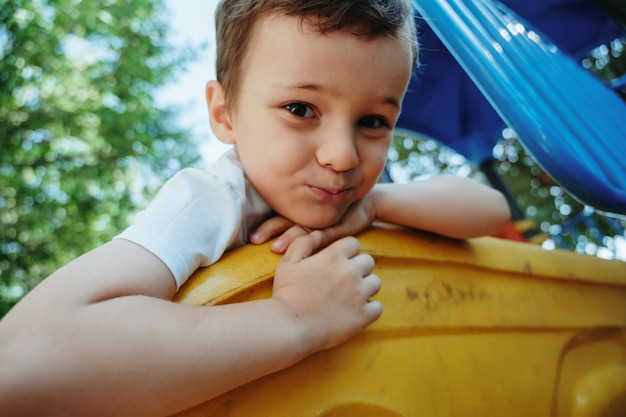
235,19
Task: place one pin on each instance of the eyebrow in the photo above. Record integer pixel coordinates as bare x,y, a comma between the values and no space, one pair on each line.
309,87
318,87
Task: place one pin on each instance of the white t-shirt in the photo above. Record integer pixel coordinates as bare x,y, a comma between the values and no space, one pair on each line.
198,215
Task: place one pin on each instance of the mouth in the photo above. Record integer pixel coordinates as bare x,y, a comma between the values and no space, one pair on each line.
331,195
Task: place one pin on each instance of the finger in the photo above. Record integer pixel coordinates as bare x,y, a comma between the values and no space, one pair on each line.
333,233
364,264
281,244
348,246
351,224
270,228
372,284
302,247
374,309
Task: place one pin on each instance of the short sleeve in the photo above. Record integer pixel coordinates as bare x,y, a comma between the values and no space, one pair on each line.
194,218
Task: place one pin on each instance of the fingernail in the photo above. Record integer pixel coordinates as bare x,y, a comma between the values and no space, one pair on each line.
277,246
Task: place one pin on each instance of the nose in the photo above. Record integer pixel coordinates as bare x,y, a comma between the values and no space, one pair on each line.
337,150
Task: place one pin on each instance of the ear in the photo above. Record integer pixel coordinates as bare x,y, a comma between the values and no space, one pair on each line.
218,112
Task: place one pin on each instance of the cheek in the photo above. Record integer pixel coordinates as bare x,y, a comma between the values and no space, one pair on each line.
271,166
272,160
268,139
373,160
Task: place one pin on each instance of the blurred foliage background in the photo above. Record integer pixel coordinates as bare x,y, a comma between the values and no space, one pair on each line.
82,143
84,146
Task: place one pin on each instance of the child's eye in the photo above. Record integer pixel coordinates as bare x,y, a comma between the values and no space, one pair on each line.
373,122
300,109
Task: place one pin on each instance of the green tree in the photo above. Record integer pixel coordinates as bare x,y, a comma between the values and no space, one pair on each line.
82,142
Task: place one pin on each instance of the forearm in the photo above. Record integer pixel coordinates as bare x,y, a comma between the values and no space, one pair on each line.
100,337
139,356
452,206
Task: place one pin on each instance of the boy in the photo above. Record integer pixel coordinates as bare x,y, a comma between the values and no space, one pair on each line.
308,93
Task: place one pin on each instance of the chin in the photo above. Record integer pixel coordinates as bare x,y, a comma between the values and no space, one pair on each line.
318,222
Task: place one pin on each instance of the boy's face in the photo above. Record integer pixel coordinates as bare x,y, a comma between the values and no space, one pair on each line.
313,118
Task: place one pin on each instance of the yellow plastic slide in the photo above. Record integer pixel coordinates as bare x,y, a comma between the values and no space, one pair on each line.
485,327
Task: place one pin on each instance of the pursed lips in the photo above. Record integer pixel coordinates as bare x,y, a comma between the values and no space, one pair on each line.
330,194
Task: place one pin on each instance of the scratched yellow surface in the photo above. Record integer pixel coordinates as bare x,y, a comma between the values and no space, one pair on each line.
484,327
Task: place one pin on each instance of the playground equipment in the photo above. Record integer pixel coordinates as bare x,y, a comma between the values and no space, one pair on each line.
570,121
484,327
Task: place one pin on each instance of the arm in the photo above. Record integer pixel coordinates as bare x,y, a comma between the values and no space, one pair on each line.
100,336
449,205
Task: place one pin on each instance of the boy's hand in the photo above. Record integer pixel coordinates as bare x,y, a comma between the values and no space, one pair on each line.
328,292
359,217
